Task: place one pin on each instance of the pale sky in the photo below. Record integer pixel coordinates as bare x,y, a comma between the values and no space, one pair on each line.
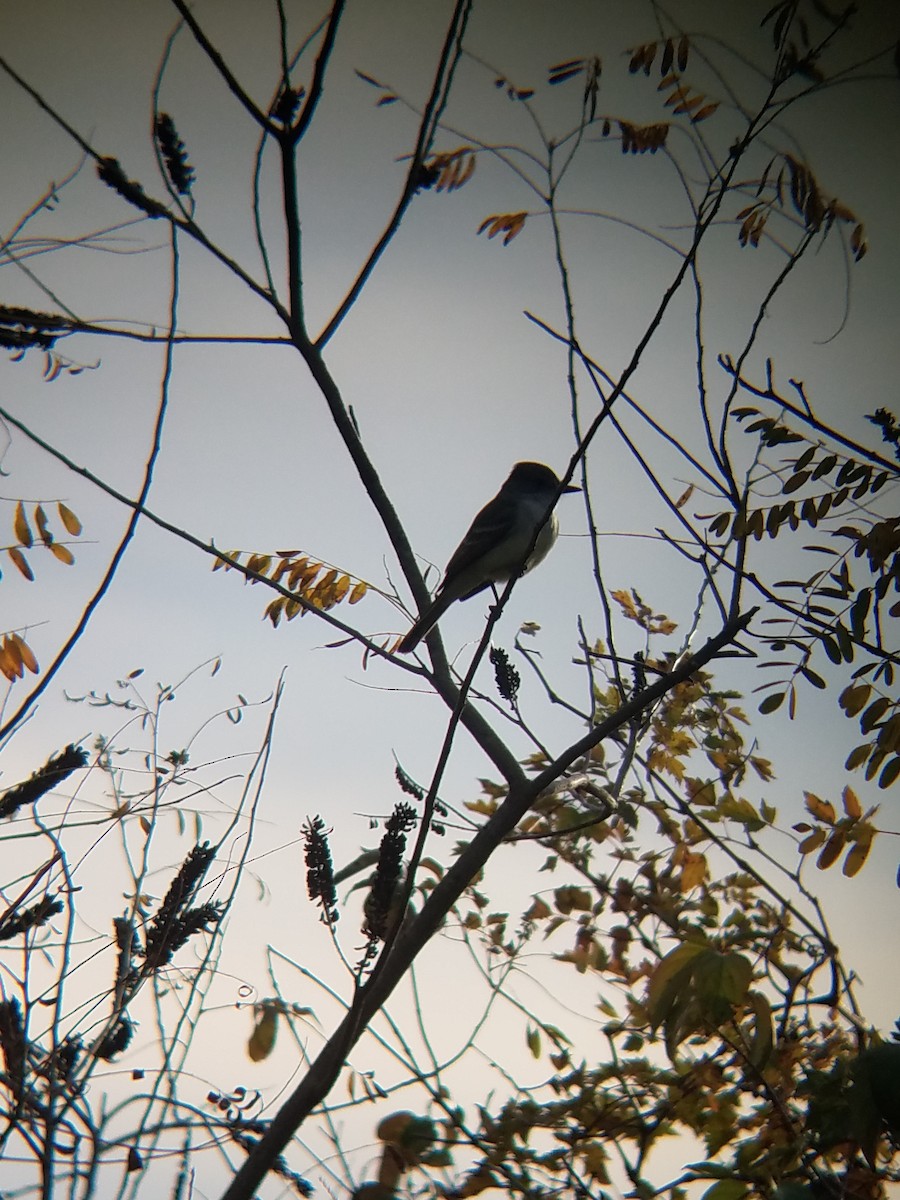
450,385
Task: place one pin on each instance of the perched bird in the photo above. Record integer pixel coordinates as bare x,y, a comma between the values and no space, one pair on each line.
494,549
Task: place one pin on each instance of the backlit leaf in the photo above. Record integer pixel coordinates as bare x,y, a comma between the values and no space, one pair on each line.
856,857
832,850
726,1189
262,1039
822,810
20,562
852,806
694,870
25,653
533,1039
21,528
874,713
668,975
763,1040
890,772
40,519
63,553
795,482
854,699
857,756
10,667
813,842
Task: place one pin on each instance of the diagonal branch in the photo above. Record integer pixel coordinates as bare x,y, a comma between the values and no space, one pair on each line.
222,67
324,1071
318,80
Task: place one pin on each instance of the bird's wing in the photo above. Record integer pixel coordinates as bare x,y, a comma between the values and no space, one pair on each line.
495,522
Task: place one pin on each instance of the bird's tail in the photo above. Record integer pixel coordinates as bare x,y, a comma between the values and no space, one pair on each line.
425,623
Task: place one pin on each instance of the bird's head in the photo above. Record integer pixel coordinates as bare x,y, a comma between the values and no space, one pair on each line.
538,478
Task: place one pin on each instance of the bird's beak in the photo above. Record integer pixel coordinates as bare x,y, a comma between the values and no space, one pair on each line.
570,487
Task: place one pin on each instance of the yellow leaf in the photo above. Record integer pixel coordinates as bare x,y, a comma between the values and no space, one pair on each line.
21,562
274,609
326,581
68,518
21,528
832,850
40,519
694,870
822,810
341,588
813,842
63,553
852,806
359,590
25,654
10,664
857,856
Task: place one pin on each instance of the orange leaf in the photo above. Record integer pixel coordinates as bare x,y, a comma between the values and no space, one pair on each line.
25,654
706,111
10,664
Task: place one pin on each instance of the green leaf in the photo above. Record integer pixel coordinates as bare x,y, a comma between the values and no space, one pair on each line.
726,1189
671,973
763,1038
533,1039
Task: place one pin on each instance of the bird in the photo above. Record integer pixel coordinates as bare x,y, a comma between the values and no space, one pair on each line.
518,519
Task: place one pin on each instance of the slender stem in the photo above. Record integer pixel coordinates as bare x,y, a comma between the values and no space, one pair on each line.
137,508
317,85
437,100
